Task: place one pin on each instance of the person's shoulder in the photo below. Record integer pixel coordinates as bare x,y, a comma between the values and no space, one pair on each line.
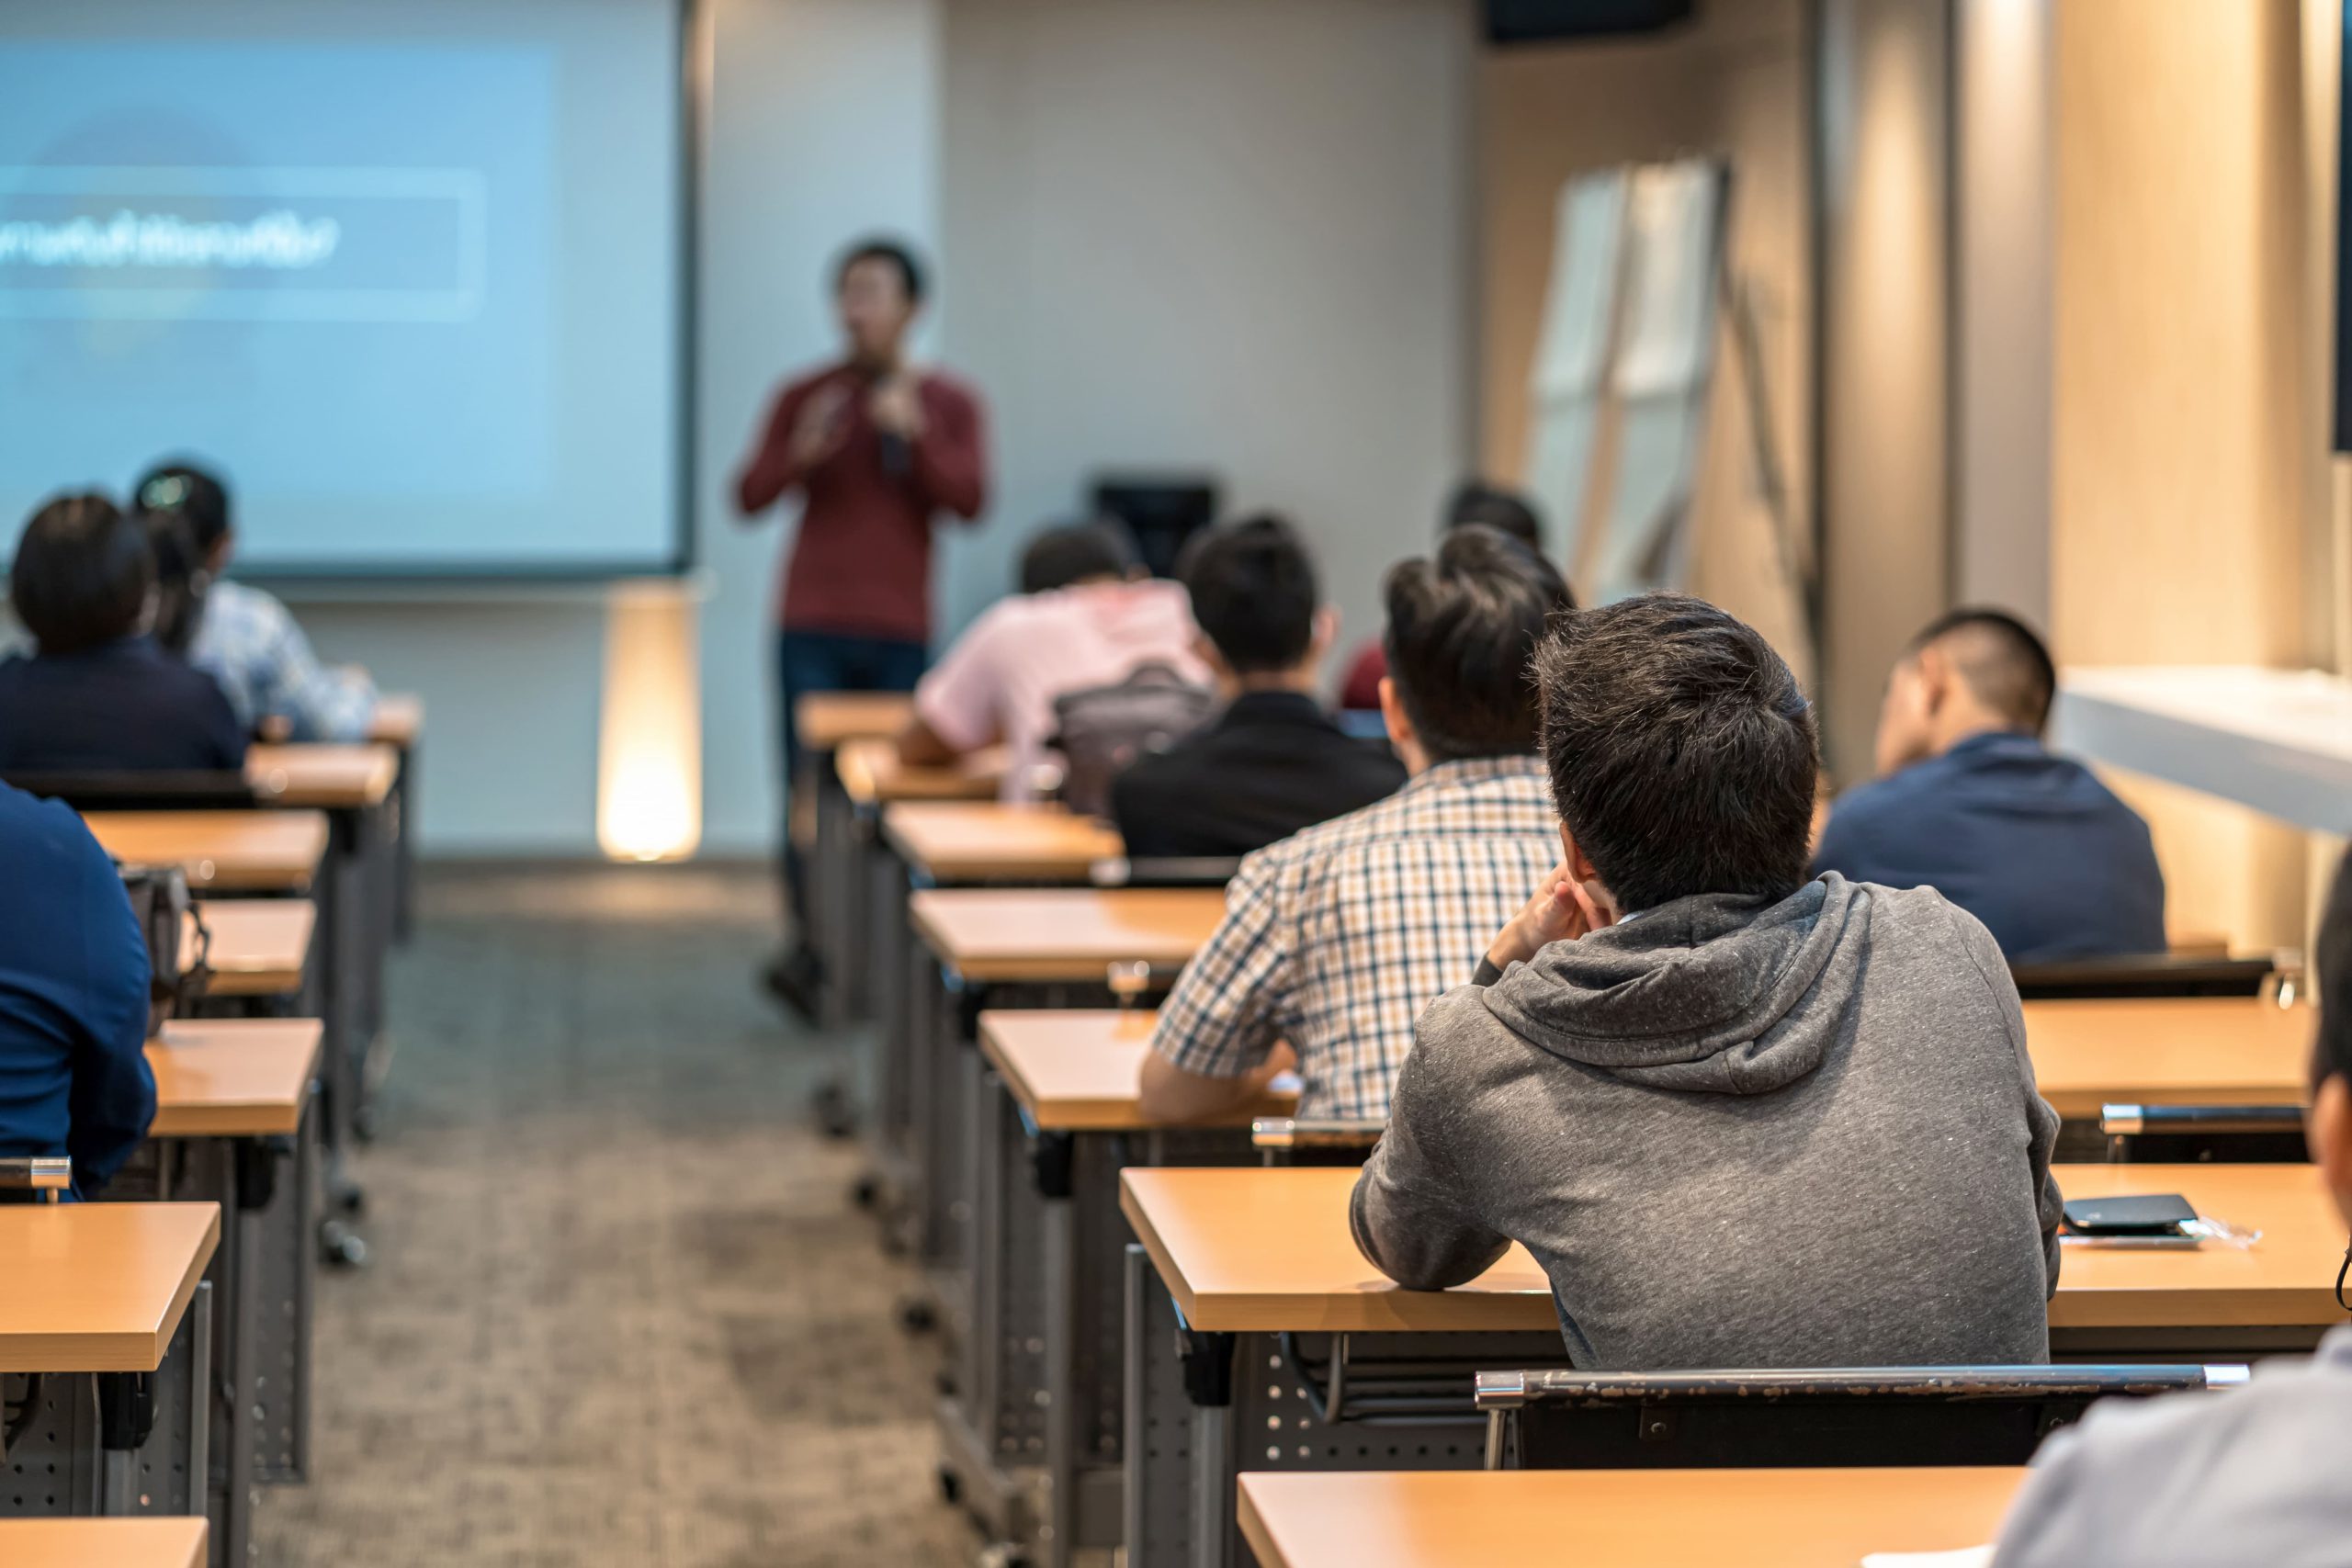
51,833
949,386
1460,1048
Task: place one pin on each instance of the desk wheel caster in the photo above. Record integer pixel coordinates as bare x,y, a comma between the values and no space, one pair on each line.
951,1487
1003,1554
348,1198
340,1247
918,1317
364,1125
866,1193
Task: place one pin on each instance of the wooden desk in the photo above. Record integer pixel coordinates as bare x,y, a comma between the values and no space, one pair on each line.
1251,1249
223,851
871,775
1063,933
259,945
2176,1050
951,841
399,718
825,719
1617,1518
98,1287
1076,1071
103,1543
330,777
232,1078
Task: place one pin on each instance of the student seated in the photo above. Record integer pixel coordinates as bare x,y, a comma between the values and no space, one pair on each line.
1970,803
997,682
1335,939
1272,761
245,638
2214,1480
1742,1118
98,694
73,976
1475,502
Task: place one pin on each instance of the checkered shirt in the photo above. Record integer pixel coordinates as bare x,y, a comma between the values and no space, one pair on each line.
247,641
1336,938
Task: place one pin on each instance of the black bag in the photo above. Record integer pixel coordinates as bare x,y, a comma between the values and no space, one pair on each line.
178,969
1101,729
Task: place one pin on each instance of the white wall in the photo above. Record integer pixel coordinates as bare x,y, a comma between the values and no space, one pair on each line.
1230,233
1224,233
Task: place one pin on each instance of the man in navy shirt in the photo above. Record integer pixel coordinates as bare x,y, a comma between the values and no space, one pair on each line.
1970,803
100,695
74,978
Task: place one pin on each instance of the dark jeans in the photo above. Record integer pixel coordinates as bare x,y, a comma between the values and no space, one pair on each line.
826,662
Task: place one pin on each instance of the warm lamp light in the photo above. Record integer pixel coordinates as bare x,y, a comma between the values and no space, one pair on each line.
649,774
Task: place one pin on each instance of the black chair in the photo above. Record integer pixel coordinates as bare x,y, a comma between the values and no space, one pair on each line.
157,791
2223,1135
1868,1416
1167,871
2144,974
1305,1139
41,1179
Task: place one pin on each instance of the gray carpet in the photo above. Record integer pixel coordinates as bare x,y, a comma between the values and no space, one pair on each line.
621,1311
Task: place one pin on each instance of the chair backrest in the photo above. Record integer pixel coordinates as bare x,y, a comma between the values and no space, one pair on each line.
1307,1140
2144,974
1867,1416
37,1178
158,791
1165,871
2226,1135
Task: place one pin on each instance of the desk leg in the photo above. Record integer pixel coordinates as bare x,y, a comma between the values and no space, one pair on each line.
899,988
1162,1521
173,1456
245,1364
825,897
402,823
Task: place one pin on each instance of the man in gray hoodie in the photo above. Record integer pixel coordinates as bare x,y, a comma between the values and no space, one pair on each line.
1741,1119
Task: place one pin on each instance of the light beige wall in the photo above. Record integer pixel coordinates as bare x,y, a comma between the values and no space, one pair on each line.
1732,86
2184,460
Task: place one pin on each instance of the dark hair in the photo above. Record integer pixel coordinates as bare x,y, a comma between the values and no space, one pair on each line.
181,579
1479,502
2334,958
1682,753
2003,662
882,250
1461,624
1253,592
81,574
1072,552
198,498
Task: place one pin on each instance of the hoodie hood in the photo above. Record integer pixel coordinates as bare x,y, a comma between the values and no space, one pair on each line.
1705,994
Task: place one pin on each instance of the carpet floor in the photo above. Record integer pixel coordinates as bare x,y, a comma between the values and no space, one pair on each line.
619,1310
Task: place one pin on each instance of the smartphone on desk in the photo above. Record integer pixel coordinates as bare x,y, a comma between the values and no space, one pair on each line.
2159,1219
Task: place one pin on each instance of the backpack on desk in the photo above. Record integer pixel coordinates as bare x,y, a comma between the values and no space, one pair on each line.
177,970
1101,729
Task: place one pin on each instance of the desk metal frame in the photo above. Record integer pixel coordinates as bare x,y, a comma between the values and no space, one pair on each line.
64,1469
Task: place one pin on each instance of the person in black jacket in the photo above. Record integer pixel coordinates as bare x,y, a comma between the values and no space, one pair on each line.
1272,761
98,694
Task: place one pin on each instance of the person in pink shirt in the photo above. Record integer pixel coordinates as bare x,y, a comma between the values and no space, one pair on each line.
997,683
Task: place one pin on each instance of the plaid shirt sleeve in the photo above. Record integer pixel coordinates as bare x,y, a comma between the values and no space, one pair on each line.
1224,1015
321,703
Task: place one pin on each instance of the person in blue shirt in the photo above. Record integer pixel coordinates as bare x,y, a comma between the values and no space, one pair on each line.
73,979
98,694
1970,802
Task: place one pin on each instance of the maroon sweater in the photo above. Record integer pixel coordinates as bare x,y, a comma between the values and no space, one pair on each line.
861,564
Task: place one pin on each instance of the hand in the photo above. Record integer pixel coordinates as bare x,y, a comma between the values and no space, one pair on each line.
1562,910
897,406
818,434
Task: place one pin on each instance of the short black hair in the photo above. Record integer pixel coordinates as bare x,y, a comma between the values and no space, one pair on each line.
196,496
82,573
1479,502
1682,752
2004,663
1461,625
1253,592
883,249
2334,958
1072,552
180,578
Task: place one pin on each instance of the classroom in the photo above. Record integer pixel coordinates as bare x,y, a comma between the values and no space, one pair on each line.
1219,783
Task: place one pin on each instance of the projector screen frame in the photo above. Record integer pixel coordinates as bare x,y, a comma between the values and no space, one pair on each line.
688,26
